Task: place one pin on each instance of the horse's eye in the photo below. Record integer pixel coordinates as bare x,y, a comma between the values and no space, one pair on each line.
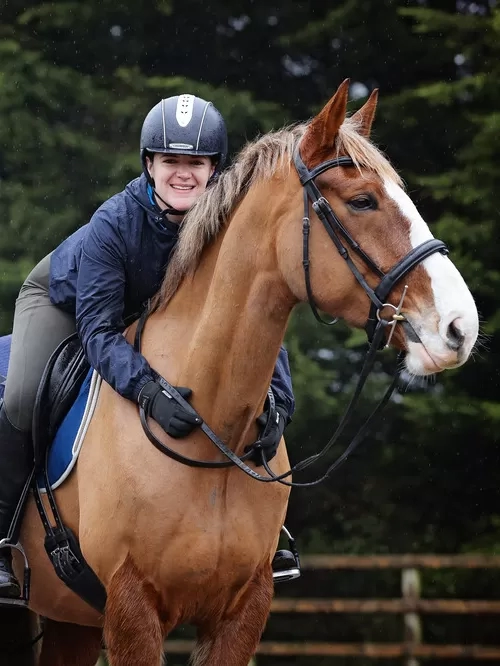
363,202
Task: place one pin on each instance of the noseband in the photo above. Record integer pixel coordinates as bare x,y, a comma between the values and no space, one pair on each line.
375,328
338,233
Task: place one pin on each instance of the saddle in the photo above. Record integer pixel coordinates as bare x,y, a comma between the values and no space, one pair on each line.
59,387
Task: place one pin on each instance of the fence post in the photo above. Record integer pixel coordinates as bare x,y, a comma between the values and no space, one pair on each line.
410,591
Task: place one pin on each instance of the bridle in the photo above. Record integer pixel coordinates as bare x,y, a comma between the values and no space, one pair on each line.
375,328
336,231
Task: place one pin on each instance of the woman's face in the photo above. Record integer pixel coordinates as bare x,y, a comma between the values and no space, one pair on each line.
179,179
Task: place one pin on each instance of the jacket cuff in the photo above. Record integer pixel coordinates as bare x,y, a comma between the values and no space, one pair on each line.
284,411
140,385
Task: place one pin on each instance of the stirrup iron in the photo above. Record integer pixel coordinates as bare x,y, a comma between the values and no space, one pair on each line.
290,560
22,601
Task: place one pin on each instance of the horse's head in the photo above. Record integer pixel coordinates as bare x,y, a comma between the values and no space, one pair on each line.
369,206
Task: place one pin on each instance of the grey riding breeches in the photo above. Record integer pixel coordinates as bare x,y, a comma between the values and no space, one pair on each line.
39,328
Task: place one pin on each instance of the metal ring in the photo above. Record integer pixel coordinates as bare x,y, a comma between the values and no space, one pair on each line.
395,317
386,305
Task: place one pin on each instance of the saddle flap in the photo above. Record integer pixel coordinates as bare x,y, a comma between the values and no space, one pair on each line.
59,387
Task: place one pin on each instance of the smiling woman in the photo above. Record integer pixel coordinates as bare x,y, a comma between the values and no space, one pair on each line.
179,180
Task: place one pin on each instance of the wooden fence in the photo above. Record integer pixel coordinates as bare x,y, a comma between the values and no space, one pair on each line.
411,606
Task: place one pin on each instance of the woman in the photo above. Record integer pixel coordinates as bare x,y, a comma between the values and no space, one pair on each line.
104,273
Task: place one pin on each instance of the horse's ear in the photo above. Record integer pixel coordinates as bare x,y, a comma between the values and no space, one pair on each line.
365,115
319,138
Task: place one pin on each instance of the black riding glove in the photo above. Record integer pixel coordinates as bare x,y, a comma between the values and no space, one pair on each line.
270,442
174,419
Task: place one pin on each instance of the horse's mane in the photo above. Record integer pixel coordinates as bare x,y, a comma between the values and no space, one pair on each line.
258,160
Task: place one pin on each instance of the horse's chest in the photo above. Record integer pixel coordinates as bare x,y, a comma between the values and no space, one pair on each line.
204,551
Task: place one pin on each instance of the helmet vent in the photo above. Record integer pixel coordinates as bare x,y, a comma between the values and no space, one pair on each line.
184,110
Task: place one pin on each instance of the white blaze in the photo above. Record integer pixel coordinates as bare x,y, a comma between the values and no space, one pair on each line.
452,298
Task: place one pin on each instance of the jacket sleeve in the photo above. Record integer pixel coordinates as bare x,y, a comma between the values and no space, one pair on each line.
281,383
100,297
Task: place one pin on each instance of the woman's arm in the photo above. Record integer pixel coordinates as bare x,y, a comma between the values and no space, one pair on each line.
99,310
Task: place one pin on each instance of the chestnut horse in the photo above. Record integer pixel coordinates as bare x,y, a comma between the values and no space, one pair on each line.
174,544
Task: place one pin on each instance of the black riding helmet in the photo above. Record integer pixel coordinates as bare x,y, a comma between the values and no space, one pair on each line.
184,125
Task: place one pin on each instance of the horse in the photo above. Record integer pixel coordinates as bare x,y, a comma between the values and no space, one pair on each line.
174,544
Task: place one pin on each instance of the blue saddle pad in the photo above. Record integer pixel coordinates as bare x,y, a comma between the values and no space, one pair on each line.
62,458
4,361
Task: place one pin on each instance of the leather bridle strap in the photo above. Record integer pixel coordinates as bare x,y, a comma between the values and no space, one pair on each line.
390,279
336,230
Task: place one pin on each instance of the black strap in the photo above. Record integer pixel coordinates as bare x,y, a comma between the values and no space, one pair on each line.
232,458
306,229
39,407
349,413
397,272
407,263
307,176
360,435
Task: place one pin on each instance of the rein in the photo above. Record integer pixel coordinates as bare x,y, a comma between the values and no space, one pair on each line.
232,458
375,328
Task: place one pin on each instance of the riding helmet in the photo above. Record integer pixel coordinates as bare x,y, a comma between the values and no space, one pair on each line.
187,125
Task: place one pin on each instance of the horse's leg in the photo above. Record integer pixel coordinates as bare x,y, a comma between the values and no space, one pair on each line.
133,632
233,640
69,644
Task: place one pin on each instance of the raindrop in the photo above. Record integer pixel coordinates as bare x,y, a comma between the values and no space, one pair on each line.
358,90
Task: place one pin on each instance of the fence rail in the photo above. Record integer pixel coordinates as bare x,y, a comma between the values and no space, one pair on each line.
401,561
375,650
449,606
411,606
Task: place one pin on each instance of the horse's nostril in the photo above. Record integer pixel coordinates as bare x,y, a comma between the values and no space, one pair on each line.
454,335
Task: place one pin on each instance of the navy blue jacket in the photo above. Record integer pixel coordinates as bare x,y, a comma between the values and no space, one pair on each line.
107,270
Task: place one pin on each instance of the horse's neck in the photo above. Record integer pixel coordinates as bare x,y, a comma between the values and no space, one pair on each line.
225,324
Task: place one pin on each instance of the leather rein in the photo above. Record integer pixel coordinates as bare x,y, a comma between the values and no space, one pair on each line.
375,327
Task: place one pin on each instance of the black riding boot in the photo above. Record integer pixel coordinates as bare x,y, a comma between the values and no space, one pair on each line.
285,566
286,563
16,462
